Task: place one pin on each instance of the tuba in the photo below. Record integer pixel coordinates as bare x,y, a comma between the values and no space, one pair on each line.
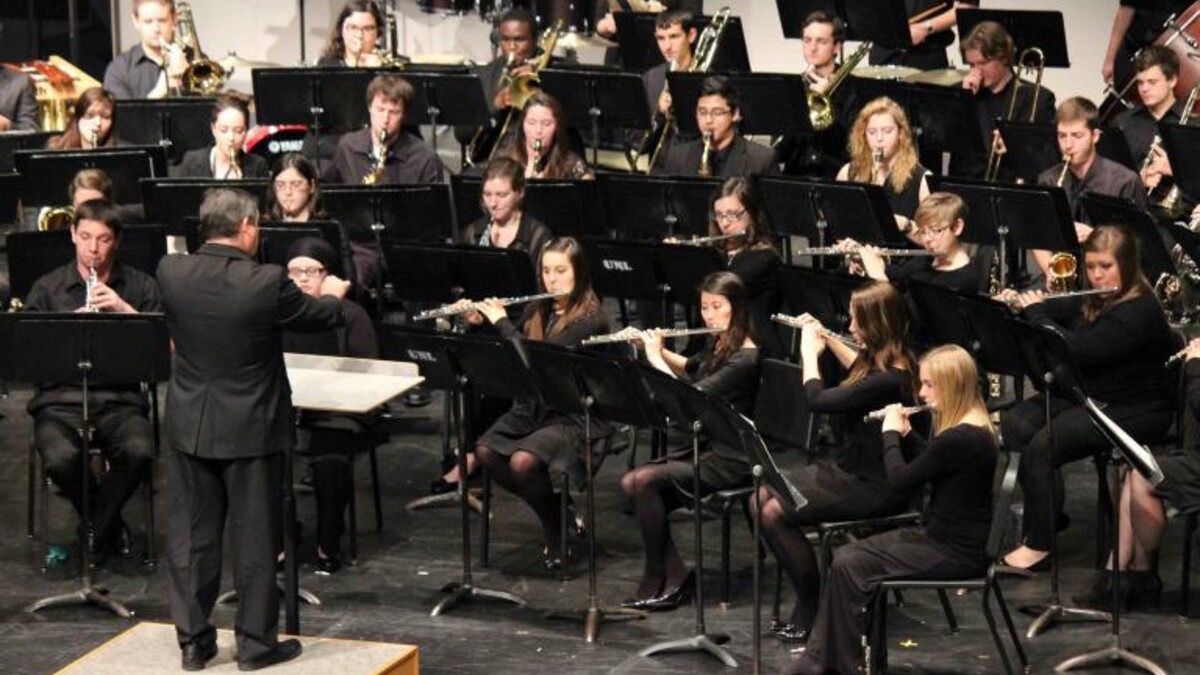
203,76
820,104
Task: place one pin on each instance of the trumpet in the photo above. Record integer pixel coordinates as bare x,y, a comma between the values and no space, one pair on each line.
456,309
376,171
798,323
886,252
630,336
877,415
92,280
1073,294
706,156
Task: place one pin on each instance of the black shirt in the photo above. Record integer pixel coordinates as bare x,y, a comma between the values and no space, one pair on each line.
905,202
931,53
758,268
531,235
965,279
1103,177
736,382
408,161
862,453
198,163
1139,127
739,158
132,74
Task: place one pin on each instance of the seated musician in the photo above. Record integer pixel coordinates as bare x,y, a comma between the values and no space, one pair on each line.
855,483
606,25
332,437
1146,509
295,197
225,159
938,224
1077,122
530,442
729,153
821,153
958,463
990,52
153,68
504,223
883,152
91,123
1119,342
676,38
516,36
352,44
383,153
931,26
1157,74
122,432
727,367
18,102
542,144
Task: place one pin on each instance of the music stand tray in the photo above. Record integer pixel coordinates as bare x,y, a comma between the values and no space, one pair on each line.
180,124
47,172
654,207
572,208
771,104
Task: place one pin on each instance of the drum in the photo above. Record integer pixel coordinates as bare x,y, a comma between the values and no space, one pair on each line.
448,7
270,142
1181,34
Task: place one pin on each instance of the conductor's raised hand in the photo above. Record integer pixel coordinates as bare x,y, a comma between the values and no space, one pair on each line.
335,286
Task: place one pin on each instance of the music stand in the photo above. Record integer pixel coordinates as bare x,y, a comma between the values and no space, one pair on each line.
92,349
47,172
598,97
1182,143
824,211
653,207
465,366
586,384
444,273
275,238
792,14
943,118
573,207
884,22
639,49
1032,147
10,200
33,254
771,104
20,140
451,98
1106,209
1042,29
169,201
140,247
179,124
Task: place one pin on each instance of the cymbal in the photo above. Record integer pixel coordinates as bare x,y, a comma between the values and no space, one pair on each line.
235,62
885,72
943,77
573,41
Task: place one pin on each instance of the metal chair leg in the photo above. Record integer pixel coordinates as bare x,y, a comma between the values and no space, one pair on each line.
951,619
726,544
1185,582
375,490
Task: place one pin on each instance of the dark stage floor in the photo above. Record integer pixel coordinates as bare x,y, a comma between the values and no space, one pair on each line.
388,595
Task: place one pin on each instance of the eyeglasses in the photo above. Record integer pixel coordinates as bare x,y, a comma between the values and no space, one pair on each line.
282,185
929,232
728,216
360,29
713,113
305,272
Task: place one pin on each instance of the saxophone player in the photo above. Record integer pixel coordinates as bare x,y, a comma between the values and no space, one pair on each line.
153,68
720,150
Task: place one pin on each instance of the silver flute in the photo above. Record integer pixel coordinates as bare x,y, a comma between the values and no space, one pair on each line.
455,309
797,323
1074,294
702,241
888,252
92,280
637,335
876,415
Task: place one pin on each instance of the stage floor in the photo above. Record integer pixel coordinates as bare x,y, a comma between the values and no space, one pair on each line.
387,596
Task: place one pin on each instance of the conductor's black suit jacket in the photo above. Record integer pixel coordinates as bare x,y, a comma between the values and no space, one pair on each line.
229,396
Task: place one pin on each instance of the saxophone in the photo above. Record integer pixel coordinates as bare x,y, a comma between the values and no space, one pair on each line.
706,156
376,171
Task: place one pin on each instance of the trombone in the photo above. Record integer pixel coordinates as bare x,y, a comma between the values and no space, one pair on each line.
1032,60
203,76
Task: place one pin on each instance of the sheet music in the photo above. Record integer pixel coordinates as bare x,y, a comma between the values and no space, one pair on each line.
339,384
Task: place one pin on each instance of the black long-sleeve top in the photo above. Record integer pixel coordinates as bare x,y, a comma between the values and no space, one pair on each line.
862,454
736,381
1121,354
963,280
758,268
958,464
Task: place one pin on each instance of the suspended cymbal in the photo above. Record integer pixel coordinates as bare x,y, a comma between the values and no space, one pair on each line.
885,72
574,41
943,77
235,62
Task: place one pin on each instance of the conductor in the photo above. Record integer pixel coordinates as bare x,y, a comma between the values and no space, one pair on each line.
229,418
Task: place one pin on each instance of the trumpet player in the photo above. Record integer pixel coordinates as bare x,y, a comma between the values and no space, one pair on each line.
352,44
721,150
383,147
1157,75
153,68
883,152
225,159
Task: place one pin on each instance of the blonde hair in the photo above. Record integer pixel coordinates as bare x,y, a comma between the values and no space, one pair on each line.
956,380
904,164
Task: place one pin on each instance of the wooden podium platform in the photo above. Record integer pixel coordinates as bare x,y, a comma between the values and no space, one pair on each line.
151,649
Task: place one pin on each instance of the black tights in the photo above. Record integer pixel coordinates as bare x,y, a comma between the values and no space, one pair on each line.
795,555
527,477
652,489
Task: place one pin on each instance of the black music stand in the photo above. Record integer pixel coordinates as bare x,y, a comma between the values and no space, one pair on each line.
654,207
444,273
771,104
169,201
824,211
1182,144
639,50
685,407
179,124
586,384
943,119
598,97
47,173
1042,29
1032,147
792,14
10,198
570,207
976,323
466,366
451,98
1106,209
20,140
88,348
140,247
275,238
626,270
33,254
884,22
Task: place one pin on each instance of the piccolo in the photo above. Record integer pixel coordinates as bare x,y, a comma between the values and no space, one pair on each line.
1074,294
795,322
456,309
702,241
887,252
876,415
637,335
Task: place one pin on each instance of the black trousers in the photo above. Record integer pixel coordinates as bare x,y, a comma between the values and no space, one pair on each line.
126,442
331,453
858,568
1075,437
201,494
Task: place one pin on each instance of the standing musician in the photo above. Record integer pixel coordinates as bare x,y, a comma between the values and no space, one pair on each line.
730,154
957,463
931,25
154,67
1119,342
123,435
529,442
504,223
225,159
18,102
1077,122
855,485
676,37
383,151
352,44
821,153
91,123
727,368
883,152
542,144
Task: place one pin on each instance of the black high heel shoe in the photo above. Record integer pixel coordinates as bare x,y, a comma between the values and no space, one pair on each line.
673,598
638,603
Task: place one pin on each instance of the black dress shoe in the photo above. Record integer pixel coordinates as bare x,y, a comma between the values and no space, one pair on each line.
636,603
418,398
673,598
553,558
197,654
286,650
790,633
441,486
328,565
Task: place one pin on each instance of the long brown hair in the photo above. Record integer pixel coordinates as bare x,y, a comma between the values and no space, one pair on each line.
729,286
71,138
559,159
904,163
1122,244
302,166
956,379
882,316
758,231
582,302
336,47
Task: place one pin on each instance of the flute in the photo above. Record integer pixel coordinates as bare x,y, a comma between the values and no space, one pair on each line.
877,415
455,309
637,335
887,252
702,241
1073,294
795,322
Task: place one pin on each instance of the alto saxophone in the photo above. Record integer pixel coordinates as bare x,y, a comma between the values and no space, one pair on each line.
376,171
706,156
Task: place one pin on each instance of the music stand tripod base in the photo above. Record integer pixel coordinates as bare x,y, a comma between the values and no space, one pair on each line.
309,598
446,499
91,595
462,590
1113,655
1055,613
710,643
593,617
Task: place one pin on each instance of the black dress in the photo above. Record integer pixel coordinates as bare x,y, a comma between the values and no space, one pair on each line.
905,202
758,268
555,438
